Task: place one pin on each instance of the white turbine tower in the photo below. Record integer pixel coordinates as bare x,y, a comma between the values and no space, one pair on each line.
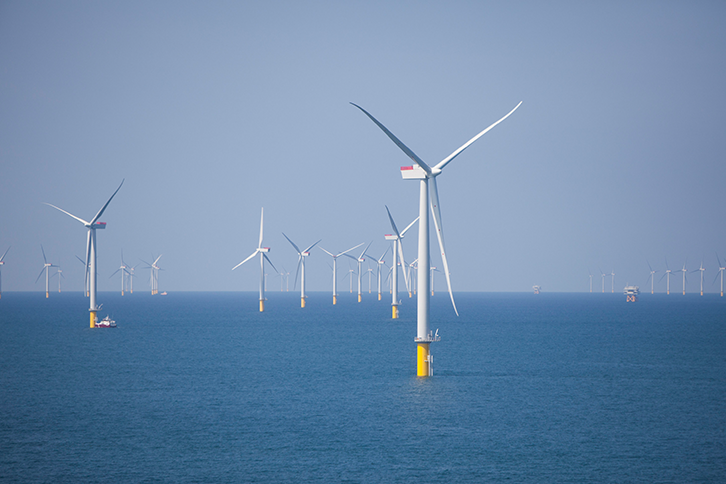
301,267
684,271
427,177
667,275
603,281
720,272
612,281
60,275
91,270
590,280
701,270
124,270
396,237
335,268
153,274
262,251
651,277
2,263
379,263
46,267
360,261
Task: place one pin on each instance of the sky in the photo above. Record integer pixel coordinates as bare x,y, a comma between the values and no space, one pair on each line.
212,110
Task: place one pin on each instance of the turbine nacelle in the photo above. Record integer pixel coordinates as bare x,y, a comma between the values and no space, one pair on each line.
414,172
391,237
98,225
263,249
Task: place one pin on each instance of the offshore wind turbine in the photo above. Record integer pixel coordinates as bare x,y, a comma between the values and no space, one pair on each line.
359,261
612,281
427,188
91,270
603,281
60,275
684,271
396,238
667,275
46,267
720,271
590,280
335,268
652,273
262,251
124,271
701,270
302,254
379,263
153,274
2,263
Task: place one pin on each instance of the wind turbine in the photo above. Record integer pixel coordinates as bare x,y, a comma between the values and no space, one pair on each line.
153,274
603,280
396,238
335,266
684,271
370,274
2,263
92,226
301,267
612,281
124,271
652,273
60,275
590,280
46,267
720,271
433,269
262,251
379,263
85,285
360,261
701,270
667,275
427,177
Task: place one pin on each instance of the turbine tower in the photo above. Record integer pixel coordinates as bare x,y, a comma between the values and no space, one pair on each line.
153,274
396,238
701,270
590,280
91,270
603,281
300,268
684,271
360,261
652,273
124,270
335,268
427,186
667,275
262,251
379,263
2,263
46,267
612,281
720,271
60,275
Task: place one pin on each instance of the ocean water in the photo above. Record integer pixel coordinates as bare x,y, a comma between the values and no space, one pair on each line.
201,387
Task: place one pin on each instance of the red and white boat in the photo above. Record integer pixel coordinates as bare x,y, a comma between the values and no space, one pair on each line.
106,322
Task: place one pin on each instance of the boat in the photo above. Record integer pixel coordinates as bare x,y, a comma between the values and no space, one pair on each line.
631,293
106,322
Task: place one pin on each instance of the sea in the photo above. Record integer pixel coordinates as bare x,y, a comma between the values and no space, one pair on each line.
199,387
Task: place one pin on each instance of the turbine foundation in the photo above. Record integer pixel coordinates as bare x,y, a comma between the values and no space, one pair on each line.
359,298
262,305
379,296
93,318
335,300
46,294
395,312
423,360
302,302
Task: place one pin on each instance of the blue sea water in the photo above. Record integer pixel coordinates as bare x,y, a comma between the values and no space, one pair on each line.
201,387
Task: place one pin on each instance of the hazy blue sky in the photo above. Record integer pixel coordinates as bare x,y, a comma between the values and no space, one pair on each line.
211,110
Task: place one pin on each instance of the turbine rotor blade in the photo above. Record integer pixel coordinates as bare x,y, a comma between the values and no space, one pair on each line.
456,153
409,226
262,218
68,213
6,251
398,142
268,260
440,235
291,242
393,224
329,253
253,254
100,212
308,249
352,248
297,271
43,250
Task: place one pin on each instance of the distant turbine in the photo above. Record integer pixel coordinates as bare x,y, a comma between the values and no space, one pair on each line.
701,270
652,273
360,261
350,274
396,238
590,280
335,266
262,251
379,263
370,273
153,274
720,271
85,285
612,281
603,281
60,275
684,271
2,263
300,268
433,269
46,267
124,270
428,195
667,275
92,226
